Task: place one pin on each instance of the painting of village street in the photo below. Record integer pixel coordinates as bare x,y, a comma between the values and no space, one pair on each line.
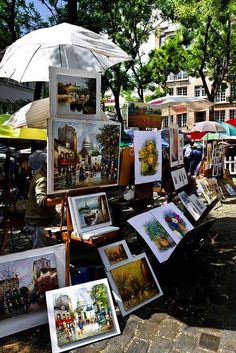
136,284
84,154
82,312
23,284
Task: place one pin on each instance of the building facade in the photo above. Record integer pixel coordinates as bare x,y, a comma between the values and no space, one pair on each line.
184,85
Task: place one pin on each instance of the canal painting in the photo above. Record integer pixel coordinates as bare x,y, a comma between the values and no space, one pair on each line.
134,283
81,314
82,154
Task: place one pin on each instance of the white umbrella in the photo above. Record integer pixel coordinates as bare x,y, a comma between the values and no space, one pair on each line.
34,115
63,45
208,126
181,103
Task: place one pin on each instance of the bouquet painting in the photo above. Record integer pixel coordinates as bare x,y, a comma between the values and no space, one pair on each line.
159,235
148,157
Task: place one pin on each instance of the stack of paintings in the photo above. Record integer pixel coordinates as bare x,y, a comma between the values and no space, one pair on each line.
132,278
162,228
192,204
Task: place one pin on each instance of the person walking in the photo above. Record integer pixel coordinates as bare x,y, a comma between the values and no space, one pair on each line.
40,209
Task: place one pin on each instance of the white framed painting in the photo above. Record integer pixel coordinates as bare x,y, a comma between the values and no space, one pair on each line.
148,156
24,279
74,93
179,178
82,154
115,253
90,212
193,205
173,220
134,284
156,237
80,315
174,147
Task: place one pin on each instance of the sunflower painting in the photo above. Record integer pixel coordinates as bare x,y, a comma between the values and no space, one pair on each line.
147,156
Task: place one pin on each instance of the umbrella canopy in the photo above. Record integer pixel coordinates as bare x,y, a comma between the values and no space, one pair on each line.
8,132
181,103
217,136
35,115
231,122
196,136
63,45
230,130
208,126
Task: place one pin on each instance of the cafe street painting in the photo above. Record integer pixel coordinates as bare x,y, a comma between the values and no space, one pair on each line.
82,154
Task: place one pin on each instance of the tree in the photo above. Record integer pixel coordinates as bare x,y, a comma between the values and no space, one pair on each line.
109,141
99,295
204,43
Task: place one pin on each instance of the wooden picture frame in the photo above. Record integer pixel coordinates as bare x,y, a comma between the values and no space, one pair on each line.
74,93
76,316
24,279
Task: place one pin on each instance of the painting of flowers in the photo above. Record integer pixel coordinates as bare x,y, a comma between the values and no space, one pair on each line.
155,235
134,283
81,314
148,156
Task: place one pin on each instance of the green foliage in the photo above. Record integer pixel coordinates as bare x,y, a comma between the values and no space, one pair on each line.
99,295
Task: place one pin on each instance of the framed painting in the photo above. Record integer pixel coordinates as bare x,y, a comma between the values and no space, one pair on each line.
80,315
179,178
148,156
90,211
134,284
82,154
156,237
115,253
173,220
144,115
192,204
74,93
24,279
174,147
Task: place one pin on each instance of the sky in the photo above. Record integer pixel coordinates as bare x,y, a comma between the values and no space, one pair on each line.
40,8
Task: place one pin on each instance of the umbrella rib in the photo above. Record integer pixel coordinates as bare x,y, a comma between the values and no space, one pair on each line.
104,69
30,61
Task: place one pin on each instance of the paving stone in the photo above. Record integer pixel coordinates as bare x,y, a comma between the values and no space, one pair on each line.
228,340
161,345
159,317
170,328
137,347
148,330
185,343
87,349
210,342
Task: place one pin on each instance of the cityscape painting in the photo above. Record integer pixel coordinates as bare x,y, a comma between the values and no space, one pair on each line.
80,315
74,93
24,279
114,253
134,284
82,154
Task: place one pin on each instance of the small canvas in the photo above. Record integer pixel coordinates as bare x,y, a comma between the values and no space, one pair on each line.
90,214
174,147
156,237
193,205
144,115
172,219
148,156
179,178
74,93
115,253
24,279
80,315
82,154
134,284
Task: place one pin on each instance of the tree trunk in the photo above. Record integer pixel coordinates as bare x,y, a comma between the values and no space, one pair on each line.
117,107
72,12
38,90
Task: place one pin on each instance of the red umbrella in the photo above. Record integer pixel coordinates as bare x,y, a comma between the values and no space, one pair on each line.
195,136
232,122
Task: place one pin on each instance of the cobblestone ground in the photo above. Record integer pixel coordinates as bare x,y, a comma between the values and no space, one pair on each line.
197,312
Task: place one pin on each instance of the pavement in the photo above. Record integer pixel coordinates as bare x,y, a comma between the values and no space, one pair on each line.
196,314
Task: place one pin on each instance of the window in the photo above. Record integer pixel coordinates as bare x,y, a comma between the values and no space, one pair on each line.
181,91
220,96
233,93
200,91
166,121
232,113
182,120
182,75
171,91
219,116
